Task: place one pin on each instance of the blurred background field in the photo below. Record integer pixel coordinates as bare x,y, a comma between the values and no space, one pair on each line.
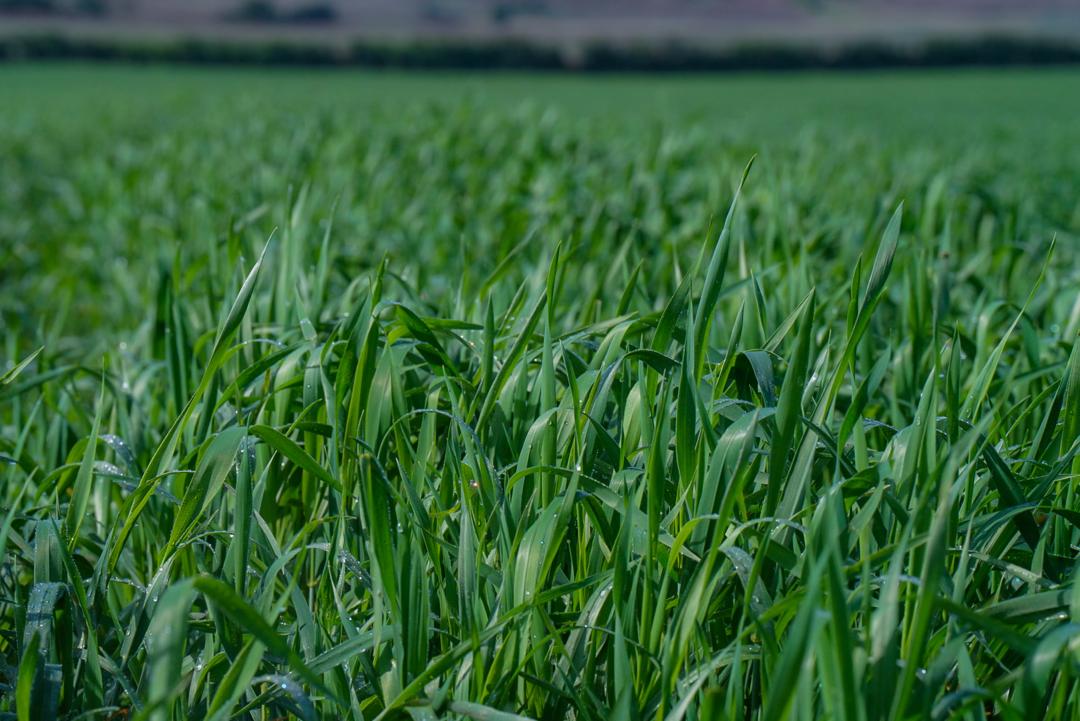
120,165
550,34
560,21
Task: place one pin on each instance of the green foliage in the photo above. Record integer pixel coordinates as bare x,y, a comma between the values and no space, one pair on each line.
519,53
264,11
470,410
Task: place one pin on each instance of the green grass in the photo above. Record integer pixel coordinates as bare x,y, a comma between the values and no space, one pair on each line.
382,396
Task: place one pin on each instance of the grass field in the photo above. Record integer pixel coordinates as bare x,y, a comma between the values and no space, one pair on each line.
379,396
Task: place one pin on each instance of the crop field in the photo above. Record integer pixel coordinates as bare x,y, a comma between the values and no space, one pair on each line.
375,396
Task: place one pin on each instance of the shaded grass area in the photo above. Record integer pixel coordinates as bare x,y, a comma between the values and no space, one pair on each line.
539,401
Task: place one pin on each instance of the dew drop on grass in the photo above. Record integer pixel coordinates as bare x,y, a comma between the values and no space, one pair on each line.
109,468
